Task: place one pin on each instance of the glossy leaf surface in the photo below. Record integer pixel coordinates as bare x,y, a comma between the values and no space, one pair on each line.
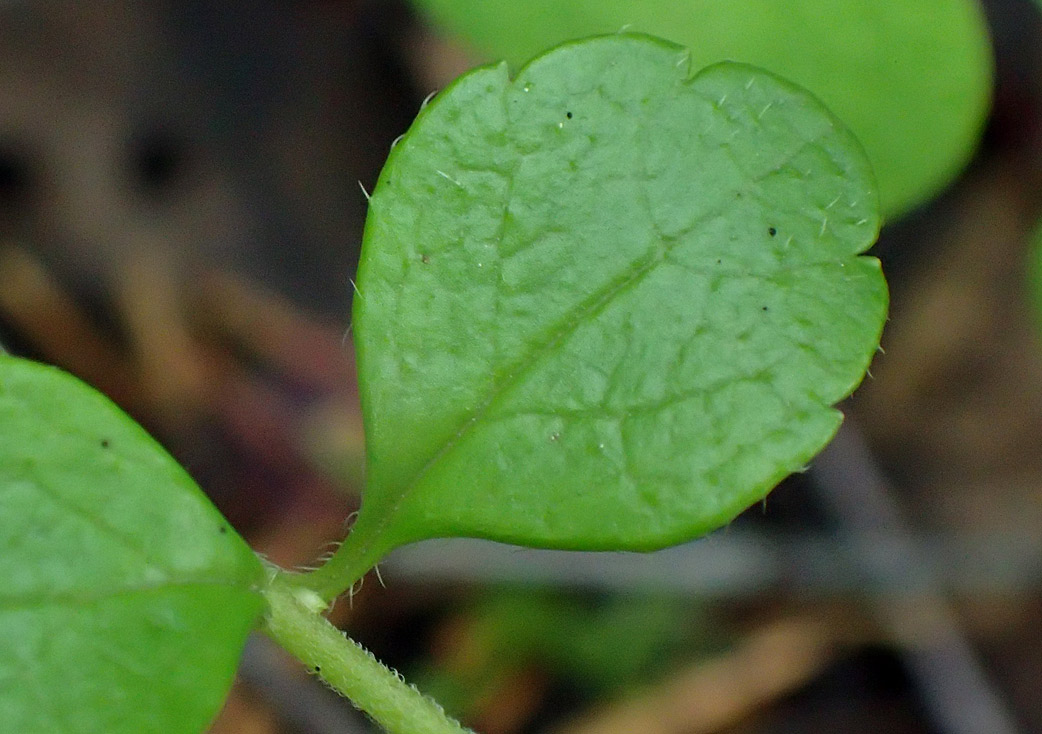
911,79
605,304
126,598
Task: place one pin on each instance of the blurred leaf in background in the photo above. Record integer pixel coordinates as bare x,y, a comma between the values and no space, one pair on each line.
912,80
599,645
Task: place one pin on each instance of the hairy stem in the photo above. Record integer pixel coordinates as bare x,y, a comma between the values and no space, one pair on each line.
295,622
356,555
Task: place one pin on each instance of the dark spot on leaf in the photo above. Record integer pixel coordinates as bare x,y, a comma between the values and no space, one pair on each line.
318,668
568,115
764,308
425,259
223,530
555,436
104,443
772,231
719,261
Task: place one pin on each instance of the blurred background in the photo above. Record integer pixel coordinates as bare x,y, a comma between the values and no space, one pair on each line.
182,194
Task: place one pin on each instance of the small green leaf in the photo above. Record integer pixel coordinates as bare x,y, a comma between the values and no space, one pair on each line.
911,79
606,305
125,597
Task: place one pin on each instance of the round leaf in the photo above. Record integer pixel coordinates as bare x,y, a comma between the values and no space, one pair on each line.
126,598
911,79
608,305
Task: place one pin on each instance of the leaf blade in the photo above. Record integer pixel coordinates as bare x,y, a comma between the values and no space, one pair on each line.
478,334
118,572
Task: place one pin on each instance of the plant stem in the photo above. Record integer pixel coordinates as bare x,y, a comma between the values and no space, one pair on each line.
351,670
356,555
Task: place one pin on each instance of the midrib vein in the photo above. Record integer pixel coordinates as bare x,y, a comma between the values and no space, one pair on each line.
592,305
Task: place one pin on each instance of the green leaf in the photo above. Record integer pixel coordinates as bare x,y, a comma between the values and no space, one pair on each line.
911,79
607,305
125,597
603,645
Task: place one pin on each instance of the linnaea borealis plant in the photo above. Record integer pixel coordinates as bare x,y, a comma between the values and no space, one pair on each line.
606,303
